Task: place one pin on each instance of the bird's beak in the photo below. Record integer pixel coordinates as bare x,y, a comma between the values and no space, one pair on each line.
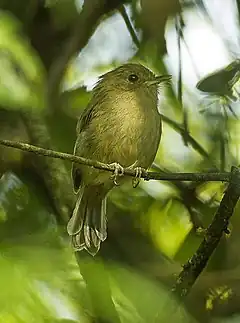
159,79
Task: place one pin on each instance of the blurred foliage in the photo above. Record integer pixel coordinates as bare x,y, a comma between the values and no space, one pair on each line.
19,66
152,229
63,12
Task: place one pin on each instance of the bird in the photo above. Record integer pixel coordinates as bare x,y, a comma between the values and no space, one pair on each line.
120,126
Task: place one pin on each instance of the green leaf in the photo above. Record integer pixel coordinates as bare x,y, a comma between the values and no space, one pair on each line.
221,81
21,70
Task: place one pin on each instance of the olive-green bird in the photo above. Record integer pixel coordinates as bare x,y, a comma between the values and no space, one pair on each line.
120,125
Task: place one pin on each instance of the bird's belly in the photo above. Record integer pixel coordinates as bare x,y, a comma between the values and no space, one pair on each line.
134,144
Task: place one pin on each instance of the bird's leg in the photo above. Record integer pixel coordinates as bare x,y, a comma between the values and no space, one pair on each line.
139,171
118,171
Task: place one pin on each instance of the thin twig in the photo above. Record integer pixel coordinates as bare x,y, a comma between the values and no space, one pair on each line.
179,25
195,265
179,81
191,57
129,26
190,139
199,177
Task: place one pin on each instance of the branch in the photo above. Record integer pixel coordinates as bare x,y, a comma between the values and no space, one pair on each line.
195,265
129,26
199,177
176,126
52,171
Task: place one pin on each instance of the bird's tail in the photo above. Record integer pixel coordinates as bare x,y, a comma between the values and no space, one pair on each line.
87,226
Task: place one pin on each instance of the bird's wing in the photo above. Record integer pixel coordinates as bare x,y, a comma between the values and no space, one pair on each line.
86,117
83,121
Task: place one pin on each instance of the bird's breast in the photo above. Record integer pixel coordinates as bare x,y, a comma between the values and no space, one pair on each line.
130,133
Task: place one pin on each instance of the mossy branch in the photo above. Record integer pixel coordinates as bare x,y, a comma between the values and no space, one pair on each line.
196,264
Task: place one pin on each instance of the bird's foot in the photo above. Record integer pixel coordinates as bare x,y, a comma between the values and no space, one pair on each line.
138,174
118,171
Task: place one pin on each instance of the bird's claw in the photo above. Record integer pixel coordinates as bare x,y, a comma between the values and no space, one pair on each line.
118,171
138,174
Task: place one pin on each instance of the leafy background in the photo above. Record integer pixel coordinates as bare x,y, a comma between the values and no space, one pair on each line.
152,229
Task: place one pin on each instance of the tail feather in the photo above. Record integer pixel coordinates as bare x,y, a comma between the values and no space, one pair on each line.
87,226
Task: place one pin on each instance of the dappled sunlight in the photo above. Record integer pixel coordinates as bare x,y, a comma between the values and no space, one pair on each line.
169,225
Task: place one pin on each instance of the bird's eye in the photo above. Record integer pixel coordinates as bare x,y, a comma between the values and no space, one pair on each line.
132,78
